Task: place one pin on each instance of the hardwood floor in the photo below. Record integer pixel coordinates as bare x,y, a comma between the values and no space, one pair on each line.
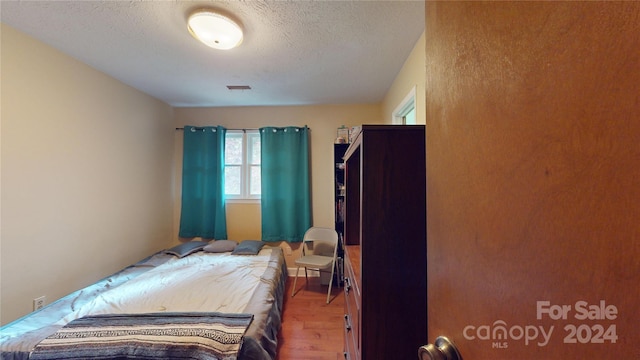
311,328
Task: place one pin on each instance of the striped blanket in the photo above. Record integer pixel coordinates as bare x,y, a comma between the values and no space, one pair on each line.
210,336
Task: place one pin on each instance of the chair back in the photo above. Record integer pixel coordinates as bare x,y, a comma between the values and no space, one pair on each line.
320,241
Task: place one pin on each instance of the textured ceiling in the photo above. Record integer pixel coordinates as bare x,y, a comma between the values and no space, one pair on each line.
293,53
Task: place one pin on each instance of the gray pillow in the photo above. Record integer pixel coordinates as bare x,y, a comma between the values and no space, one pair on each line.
220,246
187,248
248,247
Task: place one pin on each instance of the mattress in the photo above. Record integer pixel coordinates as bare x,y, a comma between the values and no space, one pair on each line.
198,283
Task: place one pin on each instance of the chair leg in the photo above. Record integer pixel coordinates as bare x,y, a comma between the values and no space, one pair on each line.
295,279
330,282
306,278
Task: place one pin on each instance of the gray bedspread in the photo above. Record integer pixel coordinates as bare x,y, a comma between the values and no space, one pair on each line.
265,293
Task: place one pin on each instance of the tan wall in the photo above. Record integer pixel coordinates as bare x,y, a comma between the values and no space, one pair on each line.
243,220
533,163
86,174
411,76
238,228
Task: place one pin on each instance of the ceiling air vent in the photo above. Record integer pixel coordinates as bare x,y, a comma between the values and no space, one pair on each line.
238,87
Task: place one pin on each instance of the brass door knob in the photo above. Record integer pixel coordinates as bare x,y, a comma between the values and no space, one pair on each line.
443,349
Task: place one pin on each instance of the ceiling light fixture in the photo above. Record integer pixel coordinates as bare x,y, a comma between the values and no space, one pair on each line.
214,30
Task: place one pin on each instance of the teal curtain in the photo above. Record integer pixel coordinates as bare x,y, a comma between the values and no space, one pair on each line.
203,212
286,194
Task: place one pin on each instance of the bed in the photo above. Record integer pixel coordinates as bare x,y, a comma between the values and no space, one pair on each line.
183,302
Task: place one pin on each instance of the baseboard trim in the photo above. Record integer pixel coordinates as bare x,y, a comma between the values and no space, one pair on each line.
310,273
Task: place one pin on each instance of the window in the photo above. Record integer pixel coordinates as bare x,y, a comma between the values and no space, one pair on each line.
405,113
242,165
409,118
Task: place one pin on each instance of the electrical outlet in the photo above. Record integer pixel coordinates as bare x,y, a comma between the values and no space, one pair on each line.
38,303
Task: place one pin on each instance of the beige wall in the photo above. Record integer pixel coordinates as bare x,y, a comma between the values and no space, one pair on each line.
86,174
411,76
243,220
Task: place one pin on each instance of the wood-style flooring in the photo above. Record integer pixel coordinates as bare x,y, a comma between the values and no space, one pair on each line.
311,328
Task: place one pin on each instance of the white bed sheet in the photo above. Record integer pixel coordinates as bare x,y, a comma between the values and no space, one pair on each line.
207,282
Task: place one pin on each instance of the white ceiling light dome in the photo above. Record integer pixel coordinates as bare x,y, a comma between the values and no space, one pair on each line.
215,30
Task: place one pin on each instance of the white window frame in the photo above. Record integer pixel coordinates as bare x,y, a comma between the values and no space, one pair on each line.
406,105
245,169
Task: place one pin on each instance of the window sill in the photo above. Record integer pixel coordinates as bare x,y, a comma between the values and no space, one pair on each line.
242,201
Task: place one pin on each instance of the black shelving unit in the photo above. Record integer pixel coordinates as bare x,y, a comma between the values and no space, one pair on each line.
339,195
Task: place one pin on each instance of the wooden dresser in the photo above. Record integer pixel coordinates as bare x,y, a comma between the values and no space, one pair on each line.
385,243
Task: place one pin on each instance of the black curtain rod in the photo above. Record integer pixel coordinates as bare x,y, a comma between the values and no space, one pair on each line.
181,128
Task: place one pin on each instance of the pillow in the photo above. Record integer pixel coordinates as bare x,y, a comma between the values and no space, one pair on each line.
248,247
186,248
220,246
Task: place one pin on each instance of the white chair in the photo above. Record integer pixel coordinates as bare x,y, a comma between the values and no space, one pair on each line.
319,250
